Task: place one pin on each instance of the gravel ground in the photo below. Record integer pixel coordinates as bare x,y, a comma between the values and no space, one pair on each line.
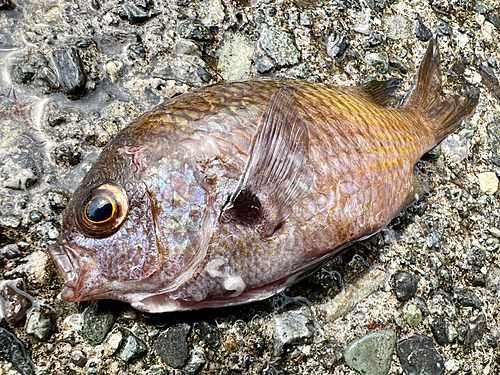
422,296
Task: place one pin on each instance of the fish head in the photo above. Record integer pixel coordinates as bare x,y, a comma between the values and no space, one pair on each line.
134,227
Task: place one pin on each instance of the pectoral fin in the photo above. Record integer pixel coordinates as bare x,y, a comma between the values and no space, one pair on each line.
277,175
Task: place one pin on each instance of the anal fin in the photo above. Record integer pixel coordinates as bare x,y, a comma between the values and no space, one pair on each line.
380,92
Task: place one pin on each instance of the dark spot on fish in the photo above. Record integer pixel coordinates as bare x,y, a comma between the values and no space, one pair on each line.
246,209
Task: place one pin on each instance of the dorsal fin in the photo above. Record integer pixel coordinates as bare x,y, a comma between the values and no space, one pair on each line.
380,91
277,175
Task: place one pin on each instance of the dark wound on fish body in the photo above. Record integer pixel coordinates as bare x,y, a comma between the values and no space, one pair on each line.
231,193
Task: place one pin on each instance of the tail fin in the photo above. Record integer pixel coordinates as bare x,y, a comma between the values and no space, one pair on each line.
444,114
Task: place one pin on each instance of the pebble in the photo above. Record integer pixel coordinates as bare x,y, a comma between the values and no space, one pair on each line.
494,18
397,27
488,182
493,129
306,19
412,315
422,305
18,171
14,351
210,334
291,328
455,147
422,32
349,297
48,76
67,155
371,354
475,331
235,58
113,68
22,73
379,60
172,345
405,286
9,251
35,267
203,74
78,358
398,65
433,240
476,258
70,71
38,325
98,319
377,5
374,39
336,45
452,366
136,15
195,362
279,46
133,349
195,30
440,330
418,356
467,298
443,28
112,343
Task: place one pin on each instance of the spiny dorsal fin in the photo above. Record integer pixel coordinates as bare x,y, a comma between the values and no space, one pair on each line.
277,175
380,91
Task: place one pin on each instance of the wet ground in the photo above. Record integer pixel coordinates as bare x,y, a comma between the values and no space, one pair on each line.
422,295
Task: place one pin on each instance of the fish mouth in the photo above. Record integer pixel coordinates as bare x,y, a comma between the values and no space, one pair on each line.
66,260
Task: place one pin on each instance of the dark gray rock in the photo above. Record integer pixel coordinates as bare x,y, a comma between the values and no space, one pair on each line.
137,15
418,356
133,349
203,74
70,71
172,345
23,73
374,39
398,65
372,354
38,325
377,5
98,319
440,330
48,76
138,49
195,30
279,46
443,28
336,45
291,328
18,171
467,298
210,334
493,129
494,18
476,258
78,358
475,331
421,31
380,61
422,305
67,155
405,286
12,350
9,251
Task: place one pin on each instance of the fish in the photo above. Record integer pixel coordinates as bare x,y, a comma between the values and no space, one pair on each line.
230,193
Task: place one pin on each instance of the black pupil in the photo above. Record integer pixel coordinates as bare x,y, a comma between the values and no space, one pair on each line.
99,209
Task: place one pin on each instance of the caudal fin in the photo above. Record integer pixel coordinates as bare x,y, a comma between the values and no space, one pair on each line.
444,114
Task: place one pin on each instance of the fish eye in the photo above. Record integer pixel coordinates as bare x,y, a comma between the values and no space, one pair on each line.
103,211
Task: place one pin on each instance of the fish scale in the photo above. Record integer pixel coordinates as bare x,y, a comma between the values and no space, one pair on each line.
230,193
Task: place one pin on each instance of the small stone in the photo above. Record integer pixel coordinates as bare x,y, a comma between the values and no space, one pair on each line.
347,300
172,345
371,354
70,70
439,329
203,74
9,251
34,268
488,182
475,331
481,7
422,32
195,362
494,232
374,39
210,334
433,240
467,298
133,349
48,76
377,5
455,147
291,328
35,217
379,60
494,18
230,344
138,49
14,351
452,366
14,302
113,68
306,19
112,343
397,65
6,4
405,286
279,46
18,171
38,325
264,64
98,319
336,45
412,315
397,27
78,358
422,305
444,28
418,356
23,73
235,58
137,15
195,30
67,155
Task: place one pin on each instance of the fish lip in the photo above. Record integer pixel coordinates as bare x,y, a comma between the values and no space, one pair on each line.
66,260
